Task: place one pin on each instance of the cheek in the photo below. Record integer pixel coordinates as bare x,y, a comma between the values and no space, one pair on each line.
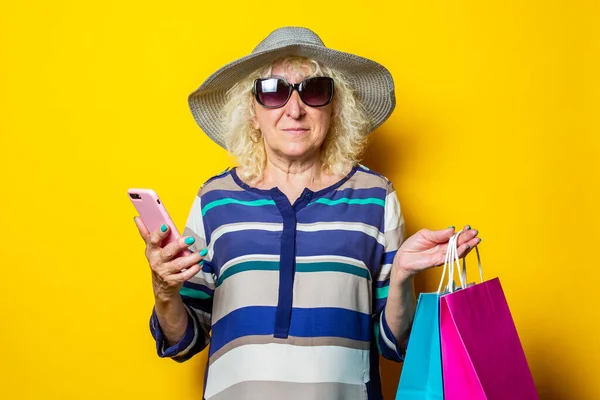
328,121
325,122
265,120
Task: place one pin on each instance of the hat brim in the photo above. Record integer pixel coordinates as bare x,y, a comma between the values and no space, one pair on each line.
371,81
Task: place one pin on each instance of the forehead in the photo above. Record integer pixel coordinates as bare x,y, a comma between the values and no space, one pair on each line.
292,71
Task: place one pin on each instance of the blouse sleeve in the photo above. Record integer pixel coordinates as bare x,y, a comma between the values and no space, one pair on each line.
394,236
197,295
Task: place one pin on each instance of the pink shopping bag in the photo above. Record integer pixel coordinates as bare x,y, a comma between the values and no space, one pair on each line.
482,356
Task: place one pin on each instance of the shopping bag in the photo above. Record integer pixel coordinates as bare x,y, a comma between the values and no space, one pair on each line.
421,377
482,356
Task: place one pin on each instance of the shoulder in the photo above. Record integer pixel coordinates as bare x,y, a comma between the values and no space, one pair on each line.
365,178
223,181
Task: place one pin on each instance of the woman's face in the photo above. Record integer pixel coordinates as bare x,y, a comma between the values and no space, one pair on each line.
295,131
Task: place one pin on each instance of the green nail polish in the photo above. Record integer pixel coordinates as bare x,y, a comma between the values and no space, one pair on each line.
203,252
468,227
163,228
451,227
201,262
133,219
189,240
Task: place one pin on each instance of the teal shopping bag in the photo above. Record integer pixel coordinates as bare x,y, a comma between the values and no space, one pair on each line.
421,377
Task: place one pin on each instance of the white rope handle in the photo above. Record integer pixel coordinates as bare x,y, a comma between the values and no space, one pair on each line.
449,264
463,272
478,263
455,263
448,267
444,270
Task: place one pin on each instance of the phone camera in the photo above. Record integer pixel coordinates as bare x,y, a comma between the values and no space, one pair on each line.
135,196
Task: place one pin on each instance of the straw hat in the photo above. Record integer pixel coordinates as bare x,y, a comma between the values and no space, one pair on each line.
372,82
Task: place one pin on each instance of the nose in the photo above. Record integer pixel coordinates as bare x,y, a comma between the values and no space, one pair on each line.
295,106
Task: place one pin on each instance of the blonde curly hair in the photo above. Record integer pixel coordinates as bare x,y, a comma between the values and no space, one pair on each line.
343,145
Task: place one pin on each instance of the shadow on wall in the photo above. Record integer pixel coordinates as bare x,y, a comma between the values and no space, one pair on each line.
385,158
548,364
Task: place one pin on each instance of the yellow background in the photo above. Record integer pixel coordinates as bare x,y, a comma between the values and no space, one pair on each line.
496,125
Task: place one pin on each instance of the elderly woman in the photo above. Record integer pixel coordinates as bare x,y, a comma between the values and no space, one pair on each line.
300,276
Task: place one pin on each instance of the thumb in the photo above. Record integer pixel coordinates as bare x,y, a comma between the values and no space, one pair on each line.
439,236
144,232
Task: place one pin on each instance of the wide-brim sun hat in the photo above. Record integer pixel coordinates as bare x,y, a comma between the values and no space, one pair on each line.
371,82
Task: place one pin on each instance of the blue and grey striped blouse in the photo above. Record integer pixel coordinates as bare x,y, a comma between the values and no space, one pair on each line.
291,296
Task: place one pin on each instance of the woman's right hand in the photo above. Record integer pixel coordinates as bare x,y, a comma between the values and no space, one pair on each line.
169,268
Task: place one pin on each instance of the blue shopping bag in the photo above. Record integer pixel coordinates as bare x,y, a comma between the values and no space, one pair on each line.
421,377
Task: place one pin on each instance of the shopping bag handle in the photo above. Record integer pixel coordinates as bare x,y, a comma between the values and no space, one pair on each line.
462,273
449,264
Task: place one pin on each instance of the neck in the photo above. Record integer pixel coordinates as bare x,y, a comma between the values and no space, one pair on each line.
293,174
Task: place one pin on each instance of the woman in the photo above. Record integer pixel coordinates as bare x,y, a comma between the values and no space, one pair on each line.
299,265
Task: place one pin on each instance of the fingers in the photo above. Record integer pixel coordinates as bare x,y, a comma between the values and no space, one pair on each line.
188,273
179,264
143,230
439,236
172,283
466,241
180,246
185,275
173,257
467,235
157,237
176,272
465,248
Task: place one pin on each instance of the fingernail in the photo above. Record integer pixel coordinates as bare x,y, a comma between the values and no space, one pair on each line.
201,262
451,227
203,252
133,219
468,246
479,240
189,240
468,227
163,228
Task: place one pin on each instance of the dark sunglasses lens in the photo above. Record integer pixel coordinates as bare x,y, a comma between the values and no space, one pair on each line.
272,92
317,91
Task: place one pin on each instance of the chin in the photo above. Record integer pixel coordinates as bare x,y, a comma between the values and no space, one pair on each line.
296,151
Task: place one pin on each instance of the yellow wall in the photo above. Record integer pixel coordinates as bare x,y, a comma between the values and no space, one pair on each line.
496,126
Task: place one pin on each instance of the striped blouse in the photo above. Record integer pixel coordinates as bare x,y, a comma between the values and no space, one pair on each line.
291,297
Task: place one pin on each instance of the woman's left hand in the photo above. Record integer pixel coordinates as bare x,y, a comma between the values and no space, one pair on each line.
426,249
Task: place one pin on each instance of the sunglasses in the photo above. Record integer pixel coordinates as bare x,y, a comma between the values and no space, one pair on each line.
275,92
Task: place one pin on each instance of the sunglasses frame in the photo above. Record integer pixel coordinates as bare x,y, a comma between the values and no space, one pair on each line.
291,87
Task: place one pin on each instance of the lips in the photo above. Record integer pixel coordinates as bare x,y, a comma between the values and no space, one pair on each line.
295,130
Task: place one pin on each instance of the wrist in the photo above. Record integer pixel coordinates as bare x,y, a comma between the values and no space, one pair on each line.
165,294
401,277
165,298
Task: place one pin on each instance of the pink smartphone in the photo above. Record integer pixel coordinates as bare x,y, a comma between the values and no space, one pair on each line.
153,212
